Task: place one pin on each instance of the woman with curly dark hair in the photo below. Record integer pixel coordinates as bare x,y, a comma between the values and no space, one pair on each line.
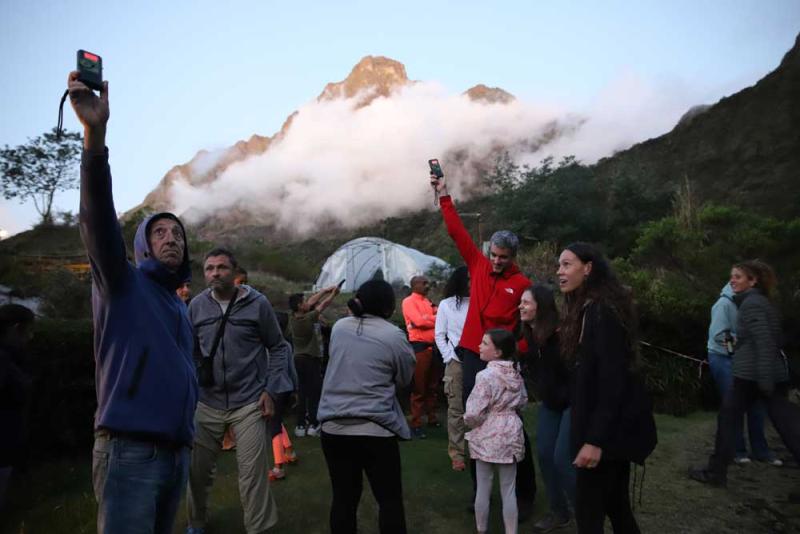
612,422
760,371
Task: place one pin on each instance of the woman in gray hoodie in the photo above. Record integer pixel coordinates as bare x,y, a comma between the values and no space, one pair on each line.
370,358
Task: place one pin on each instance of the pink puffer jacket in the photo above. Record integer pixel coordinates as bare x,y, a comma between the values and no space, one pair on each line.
496,434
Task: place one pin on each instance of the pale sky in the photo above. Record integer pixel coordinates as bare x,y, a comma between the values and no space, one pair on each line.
191,75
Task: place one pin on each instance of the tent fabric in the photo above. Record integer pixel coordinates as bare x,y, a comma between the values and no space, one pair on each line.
366,258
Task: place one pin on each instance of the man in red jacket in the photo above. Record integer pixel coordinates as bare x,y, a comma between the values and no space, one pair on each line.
496,286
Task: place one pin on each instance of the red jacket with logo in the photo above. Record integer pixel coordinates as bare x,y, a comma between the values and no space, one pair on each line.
493,297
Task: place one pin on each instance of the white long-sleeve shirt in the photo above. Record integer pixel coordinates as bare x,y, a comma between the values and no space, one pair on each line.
449,324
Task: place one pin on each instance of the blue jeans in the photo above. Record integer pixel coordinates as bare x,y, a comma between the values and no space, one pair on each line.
137,484
722,370
555,458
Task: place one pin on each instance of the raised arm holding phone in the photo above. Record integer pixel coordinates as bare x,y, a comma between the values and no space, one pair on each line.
144,374
496,286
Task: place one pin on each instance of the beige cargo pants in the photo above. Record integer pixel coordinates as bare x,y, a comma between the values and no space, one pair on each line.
252,458
453,388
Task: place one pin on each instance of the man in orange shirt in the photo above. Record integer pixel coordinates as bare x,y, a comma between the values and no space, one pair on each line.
419,314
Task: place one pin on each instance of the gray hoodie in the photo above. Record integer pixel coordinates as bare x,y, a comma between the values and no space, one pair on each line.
252,355
370,359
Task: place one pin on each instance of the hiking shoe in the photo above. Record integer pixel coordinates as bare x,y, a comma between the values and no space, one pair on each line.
705,476
742,460
276,473
458,465
551,522
300,431
418,433
775,462
313,430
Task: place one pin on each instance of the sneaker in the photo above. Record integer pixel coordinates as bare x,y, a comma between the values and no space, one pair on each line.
300,431
551,522
774,462
742,460
418,433
313,430
276,473
195,530
705,476
458,465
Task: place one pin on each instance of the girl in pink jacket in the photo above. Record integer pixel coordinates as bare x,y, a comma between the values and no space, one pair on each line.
496,437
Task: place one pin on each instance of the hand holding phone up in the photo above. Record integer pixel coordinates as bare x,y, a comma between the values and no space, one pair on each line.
437,178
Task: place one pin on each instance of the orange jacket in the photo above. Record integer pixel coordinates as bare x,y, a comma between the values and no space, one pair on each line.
419,313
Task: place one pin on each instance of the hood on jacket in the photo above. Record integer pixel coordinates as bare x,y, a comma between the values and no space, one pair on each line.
508,374
151,266
727,291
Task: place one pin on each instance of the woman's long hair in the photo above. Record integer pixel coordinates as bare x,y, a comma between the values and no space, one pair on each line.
545,323
600,286
762,273
457,285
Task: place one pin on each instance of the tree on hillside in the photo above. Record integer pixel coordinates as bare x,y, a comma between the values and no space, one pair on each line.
39,168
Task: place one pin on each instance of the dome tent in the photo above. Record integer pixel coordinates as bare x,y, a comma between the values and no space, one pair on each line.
366,258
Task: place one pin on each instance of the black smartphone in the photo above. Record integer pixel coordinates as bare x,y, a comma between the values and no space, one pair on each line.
436,169
339,286
90,70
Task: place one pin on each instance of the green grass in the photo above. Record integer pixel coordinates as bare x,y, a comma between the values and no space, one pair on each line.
56,497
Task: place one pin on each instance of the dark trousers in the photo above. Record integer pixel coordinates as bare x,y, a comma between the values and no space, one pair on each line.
785,417
603,491
280,402
471,364
423,394
348,459
309,377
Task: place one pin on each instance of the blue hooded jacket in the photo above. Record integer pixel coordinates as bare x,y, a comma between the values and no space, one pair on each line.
144,375
723,321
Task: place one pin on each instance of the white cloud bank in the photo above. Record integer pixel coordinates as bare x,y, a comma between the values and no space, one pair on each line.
356,165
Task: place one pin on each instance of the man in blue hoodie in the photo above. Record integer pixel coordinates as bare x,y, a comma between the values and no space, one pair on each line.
144,372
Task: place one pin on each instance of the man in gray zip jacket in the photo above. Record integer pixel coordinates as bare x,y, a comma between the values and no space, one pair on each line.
249,366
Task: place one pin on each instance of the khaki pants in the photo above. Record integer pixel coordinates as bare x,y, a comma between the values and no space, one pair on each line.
252,458
453,387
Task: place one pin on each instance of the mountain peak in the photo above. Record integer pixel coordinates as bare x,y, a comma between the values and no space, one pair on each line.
381,74
490,95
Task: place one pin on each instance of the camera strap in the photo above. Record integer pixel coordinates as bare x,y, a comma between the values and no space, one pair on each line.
59,126
221,329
